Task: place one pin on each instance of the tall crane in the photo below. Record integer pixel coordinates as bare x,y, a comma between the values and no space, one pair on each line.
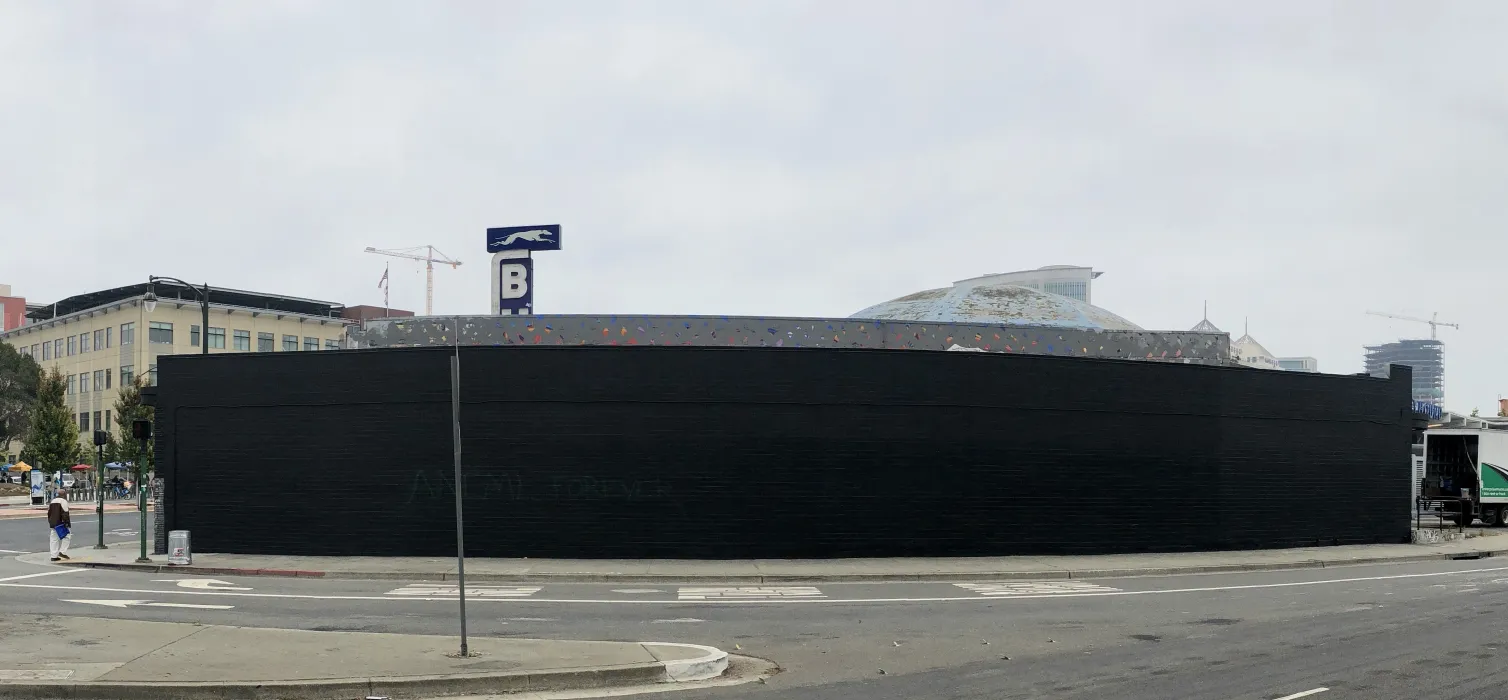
429,256
1433,321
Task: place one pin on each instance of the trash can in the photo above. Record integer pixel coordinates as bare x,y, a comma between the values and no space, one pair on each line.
179,552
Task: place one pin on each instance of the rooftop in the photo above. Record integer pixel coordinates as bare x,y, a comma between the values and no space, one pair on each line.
173,291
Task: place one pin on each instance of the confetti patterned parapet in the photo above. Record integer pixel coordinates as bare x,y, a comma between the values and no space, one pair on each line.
752,331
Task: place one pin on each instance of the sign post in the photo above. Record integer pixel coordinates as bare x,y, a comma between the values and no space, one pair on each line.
513,266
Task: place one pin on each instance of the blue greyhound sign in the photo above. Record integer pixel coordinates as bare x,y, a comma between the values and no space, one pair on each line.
513,266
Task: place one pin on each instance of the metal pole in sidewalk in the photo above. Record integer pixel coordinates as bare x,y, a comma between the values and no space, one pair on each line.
99,491
455,421
141,504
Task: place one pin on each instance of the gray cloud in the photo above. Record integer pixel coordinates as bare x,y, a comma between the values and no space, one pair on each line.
1294,162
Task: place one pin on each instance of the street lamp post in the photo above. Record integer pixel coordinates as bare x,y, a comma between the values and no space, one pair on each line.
201,293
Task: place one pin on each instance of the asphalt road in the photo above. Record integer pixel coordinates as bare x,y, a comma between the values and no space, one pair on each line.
18,535
1400,631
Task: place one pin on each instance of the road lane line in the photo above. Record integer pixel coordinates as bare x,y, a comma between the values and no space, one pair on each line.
599,601
1304,694
13,551
44,573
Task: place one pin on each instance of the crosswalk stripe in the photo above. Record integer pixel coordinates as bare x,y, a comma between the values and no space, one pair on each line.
1034,588
747,592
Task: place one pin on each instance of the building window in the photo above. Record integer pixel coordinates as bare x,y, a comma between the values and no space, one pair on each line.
46,351
83,382
99,340
99,380
159,332
240,340
264,342
106,425
83,422
109,334
194,336
290,343
311,344
84,343
73,346
34,348
98,424
216,338
127,333
151,375
332,344
57,349
73,383
127,374
107,379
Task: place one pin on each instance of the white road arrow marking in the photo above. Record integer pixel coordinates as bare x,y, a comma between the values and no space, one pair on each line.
205,584
148,604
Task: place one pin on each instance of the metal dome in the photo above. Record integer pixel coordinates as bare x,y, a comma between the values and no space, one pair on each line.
1004,304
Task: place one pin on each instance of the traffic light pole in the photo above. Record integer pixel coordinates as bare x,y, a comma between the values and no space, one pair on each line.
141,429
99,488
141,508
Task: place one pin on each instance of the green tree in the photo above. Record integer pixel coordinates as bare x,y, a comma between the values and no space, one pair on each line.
19,377
128,408
52,439
1474,412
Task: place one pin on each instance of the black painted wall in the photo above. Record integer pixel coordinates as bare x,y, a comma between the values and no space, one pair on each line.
686,452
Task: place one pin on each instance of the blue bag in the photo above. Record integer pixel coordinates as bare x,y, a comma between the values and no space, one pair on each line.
62,531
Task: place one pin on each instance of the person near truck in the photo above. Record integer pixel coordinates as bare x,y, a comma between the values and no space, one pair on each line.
60,527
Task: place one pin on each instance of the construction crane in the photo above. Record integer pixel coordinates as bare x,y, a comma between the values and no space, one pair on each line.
1433,321
429,256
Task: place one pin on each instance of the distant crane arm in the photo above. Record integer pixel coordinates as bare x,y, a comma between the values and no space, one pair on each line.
429,257
1433,321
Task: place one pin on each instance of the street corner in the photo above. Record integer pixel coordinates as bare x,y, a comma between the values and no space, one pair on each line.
102,658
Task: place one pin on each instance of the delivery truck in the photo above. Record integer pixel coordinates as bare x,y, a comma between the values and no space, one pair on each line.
1466,475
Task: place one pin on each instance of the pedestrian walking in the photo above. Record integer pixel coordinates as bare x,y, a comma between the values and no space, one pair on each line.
60,531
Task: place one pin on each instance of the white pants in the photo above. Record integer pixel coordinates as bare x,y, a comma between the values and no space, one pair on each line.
56,546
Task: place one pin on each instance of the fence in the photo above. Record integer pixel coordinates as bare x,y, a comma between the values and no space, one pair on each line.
745,452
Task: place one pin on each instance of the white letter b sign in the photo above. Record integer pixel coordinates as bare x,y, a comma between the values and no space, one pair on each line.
515,282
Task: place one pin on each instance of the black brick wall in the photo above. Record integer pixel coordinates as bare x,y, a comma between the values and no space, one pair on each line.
686,452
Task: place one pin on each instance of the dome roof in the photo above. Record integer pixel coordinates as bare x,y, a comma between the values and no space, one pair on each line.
997,304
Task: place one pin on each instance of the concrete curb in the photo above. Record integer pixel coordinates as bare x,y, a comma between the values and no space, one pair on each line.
711,664
1043,575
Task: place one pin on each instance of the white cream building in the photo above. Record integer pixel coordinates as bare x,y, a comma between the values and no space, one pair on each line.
103,339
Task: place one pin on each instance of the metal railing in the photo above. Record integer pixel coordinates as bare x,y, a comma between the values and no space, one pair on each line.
90,494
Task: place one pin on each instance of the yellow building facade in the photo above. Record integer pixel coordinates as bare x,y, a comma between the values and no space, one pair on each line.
102,340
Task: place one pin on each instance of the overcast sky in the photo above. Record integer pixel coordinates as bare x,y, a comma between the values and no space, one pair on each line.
1294,163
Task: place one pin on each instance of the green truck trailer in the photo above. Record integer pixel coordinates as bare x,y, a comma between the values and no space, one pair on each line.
1466,475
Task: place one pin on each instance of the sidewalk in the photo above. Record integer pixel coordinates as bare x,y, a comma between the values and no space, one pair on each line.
75,657
30,511
480,570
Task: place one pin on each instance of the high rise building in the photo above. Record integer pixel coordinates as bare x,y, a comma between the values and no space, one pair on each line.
1425,356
